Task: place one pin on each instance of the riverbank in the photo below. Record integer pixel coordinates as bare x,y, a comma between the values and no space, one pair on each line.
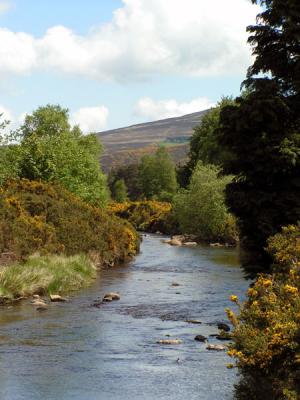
45,275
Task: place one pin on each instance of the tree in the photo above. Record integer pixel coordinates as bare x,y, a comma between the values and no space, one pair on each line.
200,209
53,152
263,131
119,192
157,176
8,164
204,145
130,175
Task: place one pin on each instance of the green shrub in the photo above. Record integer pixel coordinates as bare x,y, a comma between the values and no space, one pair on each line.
200,209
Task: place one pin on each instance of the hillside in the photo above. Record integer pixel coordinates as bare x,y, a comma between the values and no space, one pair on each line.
125,145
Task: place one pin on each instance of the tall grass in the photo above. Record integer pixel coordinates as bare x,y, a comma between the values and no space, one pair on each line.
46,275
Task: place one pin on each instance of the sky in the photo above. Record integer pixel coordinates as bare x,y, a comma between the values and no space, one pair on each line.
114,63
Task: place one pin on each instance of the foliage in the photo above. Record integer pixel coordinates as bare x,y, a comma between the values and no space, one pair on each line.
157,176
130,175
39,217
119,191
267,330
200,209
8,165
51,151
46,274
263,131
147,215
204,144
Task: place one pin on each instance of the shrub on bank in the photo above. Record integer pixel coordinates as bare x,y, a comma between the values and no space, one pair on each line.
267,330
39,217
200,209
148,215
46,275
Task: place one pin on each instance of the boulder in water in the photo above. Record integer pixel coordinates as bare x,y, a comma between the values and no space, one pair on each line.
216,347
223,327
57,298
169,341
200,338
112,296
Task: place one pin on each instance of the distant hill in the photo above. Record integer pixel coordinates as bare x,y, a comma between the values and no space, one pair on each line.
126,145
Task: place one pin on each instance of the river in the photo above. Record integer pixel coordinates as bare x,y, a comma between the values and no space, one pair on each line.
73,351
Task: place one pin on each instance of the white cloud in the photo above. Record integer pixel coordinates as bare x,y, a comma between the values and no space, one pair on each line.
144,38
6,114
90,119
160,109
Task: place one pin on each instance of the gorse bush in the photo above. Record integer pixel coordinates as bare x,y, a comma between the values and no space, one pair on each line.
46,275
267,330
200,209
39,217
148,215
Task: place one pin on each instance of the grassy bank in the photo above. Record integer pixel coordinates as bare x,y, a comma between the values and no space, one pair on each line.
46,275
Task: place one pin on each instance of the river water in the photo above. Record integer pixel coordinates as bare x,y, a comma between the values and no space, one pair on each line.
73,351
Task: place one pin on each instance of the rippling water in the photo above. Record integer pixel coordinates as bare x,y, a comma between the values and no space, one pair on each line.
75,351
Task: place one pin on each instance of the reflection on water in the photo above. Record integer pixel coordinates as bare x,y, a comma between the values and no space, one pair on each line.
75,351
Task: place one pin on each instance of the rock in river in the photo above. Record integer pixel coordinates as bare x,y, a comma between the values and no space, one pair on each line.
216,347
200,338
57,298
193,321
169,341
111,296
223,327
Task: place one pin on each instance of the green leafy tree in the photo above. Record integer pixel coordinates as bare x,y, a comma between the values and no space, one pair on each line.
8,153
157,176
200,209
119,192
263,131
53,152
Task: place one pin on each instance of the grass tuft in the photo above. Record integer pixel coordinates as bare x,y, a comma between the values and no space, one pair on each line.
46,275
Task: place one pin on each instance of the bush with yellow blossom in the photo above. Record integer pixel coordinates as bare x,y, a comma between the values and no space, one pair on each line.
267,329
146,215
38,217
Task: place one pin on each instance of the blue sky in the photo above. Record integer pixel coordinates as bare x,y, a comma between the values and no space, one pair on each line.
114,63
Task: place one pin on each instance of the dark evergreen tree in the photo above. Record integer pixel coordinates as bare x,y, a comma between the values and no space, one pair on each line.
263,131
130,175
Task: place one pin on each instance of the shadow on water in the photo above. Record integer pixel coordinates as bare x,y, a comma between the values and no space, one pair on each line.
75,351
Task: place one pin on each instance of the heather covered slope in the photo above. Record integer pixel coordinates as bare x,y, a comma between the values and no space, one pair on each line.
125,145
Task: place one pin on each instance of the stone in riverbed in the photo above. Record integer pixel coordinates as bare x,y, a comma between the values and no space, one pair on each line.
216,347
200,338
193,321
223,327
112,296
175,242
57,298
107,299
190,244
169,341
39,303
